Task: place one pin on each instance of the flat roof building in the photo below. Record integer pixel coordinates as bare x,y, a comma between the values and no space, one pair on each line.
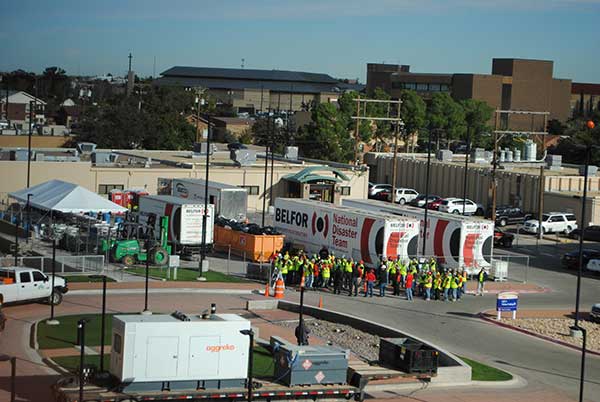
585,99
249,90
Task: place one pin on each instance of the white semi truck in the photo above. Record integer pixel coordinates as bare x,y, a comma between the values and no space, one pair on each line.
458,242
185,220
350,232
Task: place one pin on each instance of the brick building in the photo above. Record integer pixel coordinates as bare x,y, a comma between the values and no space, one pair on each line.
514,84
585,99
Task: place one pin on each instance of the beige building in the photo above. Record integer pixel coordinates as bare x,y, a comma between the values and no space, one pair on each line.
142,169
249,90
516,185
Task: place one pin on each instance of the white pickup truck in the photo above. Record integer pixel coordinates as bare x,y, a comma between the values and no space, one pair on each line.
21,284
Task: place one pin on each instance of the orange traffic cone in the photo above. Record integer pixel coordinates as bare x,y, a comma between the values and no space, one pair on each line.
302,284
279,289
321,302
267,290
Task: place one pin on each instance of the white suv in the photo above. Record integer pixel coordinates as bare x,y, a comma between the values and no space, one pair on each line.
553,222
455,206
404,195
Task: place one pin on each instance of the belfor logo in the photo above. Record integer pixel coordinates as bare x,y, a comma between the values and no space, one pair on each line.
219,348
181,190
320,224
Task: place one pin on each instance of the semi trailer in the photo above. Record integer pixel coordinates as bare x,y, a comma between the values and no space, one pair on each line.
350,232
458,242
185,221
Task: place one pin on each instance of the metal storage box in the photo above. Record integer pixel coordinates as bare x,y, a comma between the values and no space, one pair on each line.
306,365
150,350
408,355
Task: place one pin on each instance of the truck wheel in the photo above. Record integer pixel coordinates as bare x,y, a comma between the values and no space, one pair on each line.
502,222
55,298
456,212
160,256
128,260
402,201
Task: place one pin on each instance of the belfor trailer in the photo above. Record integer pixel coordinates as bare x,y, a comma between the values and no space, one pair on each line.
230,201
458,242
185,220
350,232
184,357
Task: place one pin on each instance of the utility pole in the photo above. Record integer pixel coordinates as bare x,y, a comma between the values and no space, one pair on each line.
395,161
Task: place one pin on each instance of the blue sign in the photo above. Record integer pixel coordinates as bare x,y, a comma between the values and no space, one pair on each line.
507,304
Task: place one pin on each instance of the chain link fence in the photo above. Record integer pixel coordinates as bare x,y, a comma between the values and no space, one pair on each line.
72,265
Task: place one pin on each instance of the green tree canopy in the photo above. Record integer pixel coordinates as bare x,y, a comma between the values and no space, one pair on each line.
446,117
477,115
413,112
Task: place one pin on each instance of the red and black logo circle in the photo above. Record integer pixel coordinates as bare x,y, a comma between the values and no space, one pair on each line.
320,224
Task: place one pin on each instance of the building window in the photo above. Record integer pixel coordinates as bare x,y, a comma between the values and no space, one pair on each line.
434,87
105,189
444,88
345,190
410,85
252,190
422,87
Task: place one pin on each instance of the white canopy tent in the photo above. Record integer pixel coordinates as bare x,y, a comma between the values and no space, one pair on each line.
58,195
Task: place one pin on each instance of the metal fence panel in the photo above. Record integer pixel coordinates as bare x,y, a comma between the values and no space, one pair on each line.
77,264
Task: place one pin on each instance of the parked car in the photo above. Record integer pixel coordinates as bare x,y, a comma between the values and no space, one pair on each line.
595,313
376,188
571,260
455,206
420,200
553,222
502,238
593,265
435,205
591,233
234,146
383,195
26,284
507,215
404,195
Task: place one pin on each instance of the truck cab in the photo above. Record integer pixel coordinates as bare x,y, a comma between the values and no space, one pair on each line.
22,284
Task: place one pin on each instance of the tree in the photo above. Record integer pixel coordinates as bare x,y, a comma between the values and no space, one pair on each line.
348,107
556,127
445,115
327,136
265,132
477,115
413,113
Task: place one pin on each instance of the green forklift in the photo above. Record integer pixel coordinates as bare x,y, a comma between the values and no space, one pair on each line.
134,239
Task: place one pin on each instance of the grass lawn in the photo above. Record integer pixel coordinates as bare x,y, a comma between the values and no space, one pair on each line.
84,278
185,274
481,372
64,335
263,362
71,363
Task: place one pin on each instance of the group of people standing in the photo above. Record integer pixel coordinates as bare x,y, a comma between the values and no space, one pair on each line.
416,277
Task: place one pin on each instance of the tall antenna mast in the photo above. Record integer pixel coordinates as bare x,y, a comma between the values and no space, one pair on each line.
130,57
243,60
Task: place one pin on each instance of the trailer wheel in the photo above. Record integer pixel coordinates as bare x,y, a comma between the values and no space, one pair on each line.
160,256
128,260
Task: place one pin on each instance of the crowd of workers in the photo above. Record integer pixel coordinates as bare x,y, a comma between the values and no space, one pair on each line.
416,277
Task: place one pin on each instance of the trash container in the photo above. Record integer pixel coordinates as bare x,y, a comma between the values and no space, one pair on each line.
408,355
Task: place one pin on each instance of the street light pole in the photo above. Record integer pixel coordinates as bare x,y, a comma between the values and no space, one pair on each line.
466,176
426,191
13,374
250,333
17,241
81,335
52,320
28,208
203,260
29,143
149,246
103,323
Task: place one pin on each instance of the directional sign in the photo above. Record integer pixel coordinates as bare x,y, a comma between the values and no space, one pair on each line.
507,301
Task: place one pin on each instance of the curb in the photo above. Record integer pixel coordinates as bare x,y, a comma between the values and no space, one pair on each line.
536,335
88,292
526,291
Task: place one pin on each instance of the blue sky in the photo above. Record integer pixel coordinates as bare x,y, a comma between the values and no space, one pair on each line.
337,37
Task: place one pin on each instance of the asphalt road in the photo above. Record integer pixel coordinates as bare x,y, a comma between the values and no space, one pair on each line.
455,327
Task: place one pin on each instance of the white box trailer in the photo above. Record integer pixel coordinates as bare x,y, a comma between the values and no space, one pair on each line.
185,219
230,201
458,242
362,235
184,352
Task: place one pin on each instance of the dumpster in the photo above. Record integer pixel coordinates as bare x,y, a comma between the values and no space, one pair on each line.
258,248
408,355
